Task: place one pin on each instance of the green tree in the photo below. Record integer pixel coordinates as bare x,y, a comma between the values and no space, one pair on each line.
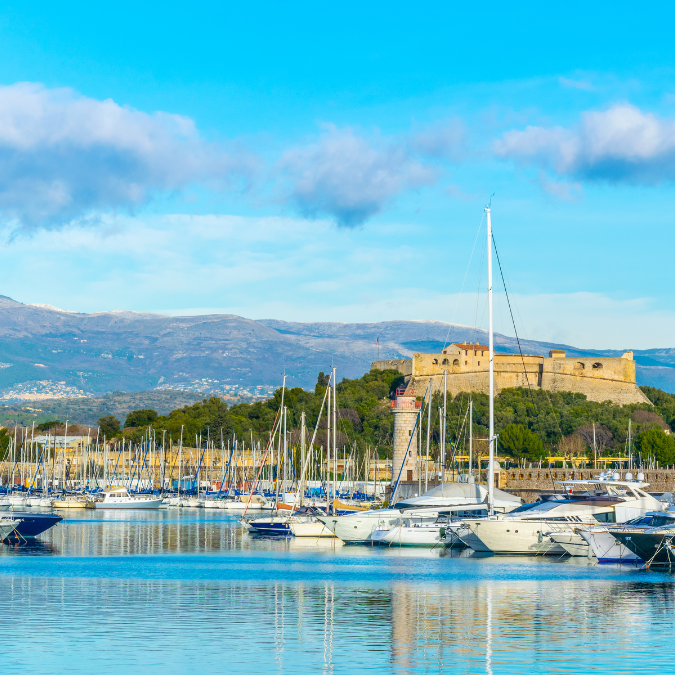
657,444
518,441
46,426
109,425
140,418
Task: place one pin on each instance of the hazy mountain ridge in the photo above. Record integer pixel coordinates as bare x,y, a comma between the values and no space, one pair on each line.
49,353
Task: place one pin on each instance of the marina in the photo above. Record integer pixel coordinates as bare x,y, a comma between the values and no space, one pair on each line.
315,605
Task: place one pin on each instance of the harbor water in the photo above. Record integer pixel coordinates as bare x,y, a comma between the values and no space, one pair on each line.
185,591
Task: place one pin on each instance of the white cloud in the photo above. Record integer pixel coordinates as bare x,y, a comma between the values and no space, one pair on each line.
442,140
620,145
348,178
64,156
583,85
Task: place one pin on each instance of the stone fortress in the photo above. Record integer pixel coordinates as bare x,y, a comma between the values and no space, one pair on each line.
466,364
599,378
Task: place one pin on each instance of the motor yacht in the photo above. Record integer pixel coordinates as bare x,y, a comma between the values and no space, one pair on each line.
525,530
420,531
357,528
121,499
597,541
427,528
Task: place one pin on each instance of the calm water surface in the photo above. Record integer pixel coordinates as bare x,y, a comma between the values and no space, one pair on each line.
187,591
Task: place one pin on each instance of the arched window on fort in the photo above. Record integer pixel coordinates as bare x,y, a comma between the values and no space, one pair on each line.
597,366
435,362
445,362
579,366
455,362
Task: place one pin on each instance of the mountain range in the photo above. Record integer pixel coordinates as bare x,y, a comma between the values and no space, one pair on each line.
46,352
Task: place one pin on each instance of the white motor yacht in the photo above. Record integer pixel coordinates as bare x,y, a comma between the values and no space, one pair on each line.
121,499
526,530
427,530
421,531
357,528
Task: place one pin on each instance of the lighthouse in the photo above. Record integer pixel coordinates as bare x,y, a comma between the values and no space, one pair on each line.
405,408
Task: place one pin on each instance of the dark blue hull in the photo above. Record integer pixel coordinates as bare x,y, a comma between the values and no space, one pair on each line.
271,528
32,524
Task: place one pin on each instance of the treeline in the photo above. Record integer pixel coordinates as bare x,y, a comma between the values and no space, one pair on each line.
364,416
531,424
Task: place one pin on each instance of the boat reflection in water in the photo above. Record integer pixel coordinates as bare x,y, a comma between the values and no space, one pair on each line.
329,608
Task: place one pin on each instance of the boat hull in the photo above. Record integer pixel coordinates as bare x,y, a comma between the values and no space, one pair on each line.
607,549
269,526
358,528
654,548
32,524
310,530
420,537
6,528
572,542
140,504
515,537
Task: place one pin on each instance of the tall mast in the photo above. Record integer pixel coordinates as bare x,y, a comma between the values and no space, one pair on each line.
445,414
470,437
491,477
329,415
334,435
426,461
301,486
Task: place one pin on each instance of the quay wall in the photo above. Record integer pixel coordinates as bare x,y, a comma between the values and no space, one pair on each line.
528,484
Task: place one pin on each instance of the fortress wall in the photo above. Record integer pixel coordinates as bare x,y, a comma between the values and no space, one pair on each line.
600,379
596,388
402,365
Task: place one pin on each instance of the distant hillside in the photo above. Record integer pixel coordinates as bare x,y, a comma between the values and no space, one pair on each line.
47,353
87,411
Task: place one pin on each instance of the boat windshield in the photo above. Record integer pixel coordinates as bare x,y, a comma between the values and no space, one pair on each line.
525,507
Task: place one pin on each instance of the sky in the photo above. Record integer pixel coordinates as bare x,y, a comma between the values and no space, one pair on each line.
331,162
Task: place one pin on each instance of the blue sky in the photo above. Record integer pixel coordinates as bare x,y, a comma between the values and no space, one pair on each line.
308,161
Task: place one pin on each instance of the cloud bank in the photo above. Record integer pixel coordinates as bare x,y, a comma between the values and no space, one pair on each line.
64,156
349,178
619,145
